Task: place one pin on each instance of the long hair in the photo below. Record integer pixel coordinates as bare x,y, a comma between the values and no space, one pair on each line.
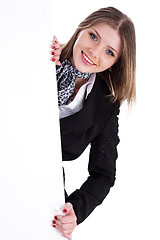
122,78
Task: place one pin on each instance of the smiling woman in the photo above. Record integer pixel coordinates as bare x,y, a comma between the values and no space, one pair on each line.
96,49
95,74
111,33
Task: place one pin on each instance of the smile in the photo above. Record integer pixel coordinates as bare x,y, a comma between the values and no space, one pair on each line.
86,59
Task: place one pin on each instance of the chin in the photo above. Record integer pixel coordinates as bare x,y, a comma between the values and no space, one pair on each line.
83,68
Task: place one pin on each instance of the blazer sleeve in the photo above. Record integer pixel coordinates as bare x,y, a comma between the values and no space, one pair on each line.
102,170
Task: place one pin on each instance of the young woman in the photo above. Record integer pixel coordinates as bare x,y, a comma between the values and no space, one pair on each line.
95,74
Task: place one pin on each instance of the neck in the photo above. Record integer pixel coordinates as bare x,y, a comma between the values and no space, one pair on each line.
79,82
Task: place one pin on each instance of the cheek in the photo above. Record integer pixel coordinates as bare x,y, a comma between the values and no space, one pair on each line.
76,49
81,42
76,58
107,62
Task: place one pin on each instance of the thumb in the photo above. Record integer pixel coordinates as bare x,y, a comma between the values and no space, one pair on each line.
67,208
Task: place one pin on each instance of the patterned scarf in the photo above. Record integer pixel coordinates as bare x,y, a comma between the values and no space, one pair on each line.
66,77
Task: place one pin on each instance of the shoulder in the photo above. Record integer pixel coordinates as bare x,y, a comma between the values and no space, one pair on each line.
104,96
96,111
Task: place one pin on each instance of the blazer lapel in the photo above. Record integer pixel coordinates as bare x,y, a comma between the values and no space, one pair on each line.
92,111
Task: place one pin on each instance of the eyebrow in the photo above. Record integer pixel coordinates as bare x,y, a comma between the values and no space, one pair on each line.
101,38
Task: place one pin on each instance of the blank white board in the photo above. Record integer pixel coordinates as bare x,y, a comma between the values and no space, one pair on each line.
31,179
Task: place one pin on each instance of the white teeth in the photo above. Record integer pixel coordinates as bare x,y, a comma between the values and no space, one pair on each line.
87,59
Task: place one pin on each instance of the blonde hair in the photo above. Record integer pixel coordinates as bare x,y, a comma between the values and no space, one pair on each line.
122,78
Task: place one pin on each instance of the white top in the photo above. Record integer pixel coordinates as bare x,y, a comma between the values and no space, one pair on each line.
77,103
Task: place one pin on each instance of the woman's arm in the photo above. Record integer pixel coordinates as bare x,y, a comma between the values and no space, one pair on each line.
102,170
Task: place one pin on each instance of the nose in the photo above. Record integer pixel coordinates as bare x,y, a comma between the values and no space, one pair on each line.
95,53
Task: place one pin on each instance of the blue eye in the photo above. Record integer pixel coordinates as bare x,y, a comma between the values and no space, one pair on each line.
93,36
110,52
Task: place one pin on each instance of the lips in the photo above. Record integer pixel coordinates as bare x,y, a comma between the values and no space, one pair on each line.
87,60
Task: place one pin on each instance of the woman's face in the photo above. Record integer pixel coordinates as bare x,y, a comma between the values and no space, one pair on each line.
96,49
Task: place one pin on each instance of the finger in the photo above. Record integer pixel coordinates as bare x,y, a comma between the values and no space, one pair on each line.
66,233
66,219
62,220
56,46
58,63
56,52
69,216
54,39
68,208
62,227
55,58
65,226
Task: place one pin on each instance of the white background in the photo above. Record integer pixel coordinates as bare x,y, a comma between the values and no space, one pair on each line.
31,179
131,210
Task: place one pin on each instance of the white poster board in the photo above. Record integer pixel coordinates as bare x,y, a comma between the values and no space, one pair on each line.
31,179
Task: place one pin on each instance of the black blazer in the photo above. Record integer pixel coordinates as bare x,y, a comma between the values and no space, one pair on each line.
96,124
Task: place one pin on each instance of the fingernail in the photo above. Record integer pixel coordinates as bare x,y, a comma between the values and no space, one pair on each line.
65,210
56,217
54,226
54,222
55,42
53,59
53,47
52,53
